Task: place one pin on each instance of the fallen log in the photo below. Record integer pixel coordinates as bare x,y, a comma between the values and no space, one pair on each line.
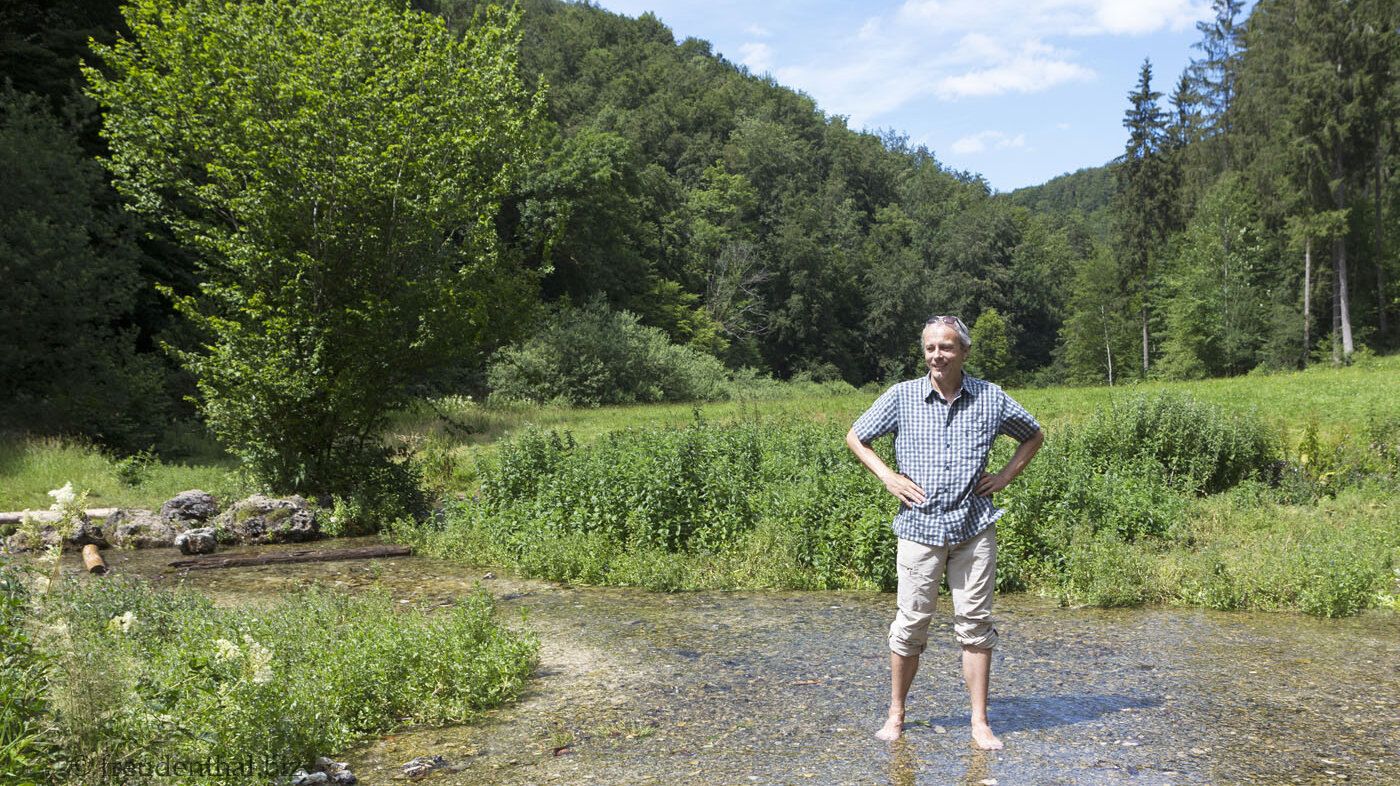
284,557
48,516
92,560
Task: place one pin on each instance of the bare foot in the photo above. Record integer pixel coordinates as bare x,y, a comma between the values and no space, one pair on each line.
894,726
983,738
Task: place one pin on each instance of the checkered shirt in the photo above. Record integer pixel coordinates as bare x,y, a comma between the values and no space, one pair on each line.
943,447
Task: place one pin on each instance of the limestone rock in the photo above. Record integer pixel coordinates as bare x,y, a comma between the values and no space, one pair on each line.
81,531
260,519
196,541
189,508
140,529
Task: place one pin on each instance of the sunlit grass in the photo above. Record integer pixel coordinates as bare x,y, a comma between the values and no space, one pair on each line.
31,467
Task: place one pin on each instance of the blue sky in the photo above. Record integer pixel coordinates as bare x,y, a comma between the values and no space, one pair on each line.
1019,91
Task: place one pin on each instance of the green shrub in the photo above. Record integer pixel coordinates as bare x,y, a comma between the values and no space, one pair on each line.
139,669
777,502
1201,447
23,745
592,355
1336,582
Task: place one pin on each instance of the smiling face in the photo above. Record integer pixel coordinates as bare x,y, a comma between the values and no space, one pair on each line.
944,354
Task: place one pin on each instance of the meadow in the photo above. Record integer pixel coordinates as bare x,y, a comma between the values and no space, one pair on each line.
1264,492
1270,493
759,491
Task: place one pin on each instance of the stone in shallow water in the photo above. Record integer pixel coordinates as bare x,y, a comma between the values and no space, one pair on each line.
189,507
262,519
196,541
423,765
140,529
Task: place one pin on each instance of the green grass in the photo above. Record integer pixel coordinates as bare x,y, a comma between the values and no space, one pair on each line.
453,435
1124,506
136,674
30,468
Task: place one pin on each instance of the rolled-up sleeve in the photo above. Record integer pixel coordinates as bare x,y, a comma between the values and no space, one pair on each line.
881,419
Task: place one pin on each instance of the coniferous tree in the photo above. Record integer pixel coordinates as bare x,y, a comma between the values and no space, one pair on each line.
1144,201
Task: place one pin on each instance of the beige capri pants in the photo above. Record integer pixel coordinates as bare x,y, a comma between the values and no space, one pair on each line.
972,573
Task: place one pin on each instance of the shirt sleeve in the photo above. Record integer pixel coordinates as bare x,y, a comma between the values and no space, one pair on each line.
1016,422
881,419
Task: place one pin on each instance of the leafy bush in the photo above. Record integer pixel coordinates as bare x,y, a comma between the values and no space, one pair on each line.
776,502
139,669
312,331
593,355
1201,447
23,746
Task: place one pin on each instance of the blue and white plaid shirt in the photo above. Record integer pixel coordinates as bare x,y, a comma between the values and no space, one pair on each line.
943,447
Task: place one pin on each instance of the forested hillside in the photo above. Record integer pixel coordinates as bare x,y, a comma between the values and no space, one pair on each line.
1247,224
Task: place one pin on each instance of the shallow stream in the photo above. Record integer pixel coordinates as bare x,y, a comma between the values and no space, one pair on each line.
636,687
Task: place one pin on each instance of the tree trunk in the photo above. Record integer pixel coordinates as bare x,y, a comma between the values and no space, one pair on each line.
1343,301
1107,344
1380,243
1307,299
1336,315
1144,332
282,557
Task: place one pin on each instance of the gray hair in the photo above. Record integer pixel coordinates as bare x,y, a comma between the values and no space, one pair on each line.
956,324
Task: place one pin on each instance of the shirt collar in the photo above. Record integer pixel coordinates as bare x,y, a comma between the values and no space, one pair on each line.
929,393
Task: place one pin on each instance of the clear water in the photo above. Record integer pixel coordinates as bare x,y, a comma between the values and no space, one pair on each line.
787,688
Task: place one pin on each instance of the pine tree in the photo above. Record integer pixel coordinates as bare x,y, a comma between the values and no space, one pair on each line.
1144,204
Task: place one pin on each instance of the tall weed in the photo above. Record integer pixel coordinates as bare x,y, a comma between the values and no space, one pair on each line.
141,674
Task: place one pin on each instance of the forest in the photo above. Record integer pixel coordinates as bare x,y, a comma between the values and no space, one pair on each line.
653,222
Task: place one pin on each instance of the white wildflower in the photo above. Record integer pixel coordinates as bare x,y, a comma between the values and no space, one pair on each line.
41,585
259,660
63,497
227,650
121,623
51,554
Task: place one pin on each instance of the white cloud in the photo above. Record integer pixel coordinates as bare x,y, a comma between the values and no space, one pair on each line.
955,49
1034,68
757,31
757,56
977,143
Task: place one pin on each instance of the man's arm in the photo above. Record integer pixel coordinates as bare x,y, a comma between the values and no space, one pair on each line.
907,490
992,483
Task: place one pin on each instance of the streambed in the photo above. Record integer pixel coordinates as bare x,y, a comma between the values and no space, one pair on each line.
636,687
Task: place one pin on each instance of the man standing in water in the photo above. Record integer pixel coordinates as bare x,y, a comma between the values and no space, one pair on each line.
944,425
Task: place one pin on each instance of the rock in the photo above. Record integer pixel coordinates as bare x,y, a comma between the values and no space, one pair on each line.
81,531
140,529
189,508
344,776
423,765
196,541
25,540
260,519
304,778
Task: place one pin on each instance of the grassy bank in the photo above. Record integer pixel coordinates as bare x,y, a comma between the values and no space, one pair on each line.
31,466
1252,493
108,679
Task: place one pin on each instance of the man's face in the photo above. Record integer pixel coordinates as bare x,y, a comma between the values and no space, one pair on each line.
943,353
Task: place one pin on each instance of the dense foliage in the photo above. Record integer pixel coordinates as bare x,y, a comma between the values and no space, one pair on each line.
1251,223
338,166
1157,498
1248,223
113,679
593,355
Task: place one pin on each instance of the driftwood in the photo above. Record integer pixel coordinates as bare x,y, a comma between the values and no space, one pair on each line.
49,516
283,557
93,560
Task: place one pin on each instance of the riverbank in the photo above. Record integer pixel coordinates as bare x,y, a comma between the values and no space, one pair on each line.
635,687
